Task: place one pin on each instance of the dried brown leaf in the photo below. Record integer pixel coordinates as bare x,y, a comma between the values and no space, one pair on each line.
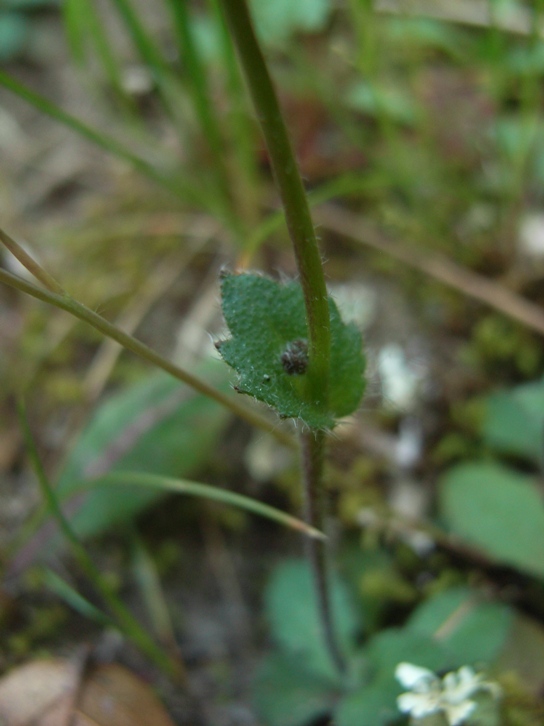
113,696
55,693
38,693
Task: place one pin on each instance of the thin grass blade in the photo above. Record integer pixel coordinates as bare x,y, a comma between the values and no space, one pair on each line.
126,622
84,27
152,593
73,16
240,129
168,85
196,489
74,599
198,87
179,186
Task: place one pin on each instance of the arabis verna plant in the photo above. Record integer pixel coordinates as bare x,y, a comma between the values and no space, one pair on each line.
288,343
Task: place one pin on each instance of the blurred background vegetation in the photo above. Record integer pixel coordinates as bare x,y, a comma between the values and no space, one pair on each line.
133,169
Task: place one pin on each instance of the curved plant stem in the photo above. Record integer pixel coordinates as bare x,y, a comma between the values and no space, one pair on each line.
291,189
78,310
312,449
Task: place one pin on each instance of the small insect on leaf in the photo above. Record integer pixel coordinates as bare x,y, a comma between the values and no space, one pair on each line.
294,358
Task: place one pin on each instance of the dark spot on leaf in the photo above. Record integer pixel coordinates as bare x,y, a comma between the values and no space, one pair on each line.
294,358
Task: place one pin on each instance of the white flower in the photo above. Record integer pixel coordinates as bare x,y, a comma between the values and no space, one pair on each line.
450,695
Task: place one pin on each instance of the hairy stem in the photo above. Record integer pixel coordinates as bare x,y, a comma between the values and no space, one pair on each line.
291,189
312,449
299,222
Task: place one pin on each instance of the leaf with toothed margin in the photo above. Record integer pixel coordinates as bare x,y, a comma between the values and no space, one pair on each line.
269,350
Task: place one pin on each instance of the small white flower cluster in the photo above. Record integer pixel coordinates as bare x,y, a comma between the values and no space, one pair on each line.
450,695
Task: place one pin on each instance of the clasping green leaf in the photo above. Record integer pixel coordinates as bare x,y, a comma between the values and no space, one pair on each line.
268,349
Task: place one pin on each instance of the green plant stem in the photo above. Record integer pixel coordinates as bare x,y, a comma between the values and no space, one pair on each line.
340,186
291,189
78,310
126,622
312,450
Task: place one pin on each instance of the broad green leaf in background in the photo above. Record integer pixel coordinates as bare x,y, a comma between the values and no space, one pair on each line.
265,320
285,694
380,583
428,33
515,137
473,631
524,61
514,422
377,100
294,620
372,705
276,21
497,510
13,34
156,426
392,646
207,37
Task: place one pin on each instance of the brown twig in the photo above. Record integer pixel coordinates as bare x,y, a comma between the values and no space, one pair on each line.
436,266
